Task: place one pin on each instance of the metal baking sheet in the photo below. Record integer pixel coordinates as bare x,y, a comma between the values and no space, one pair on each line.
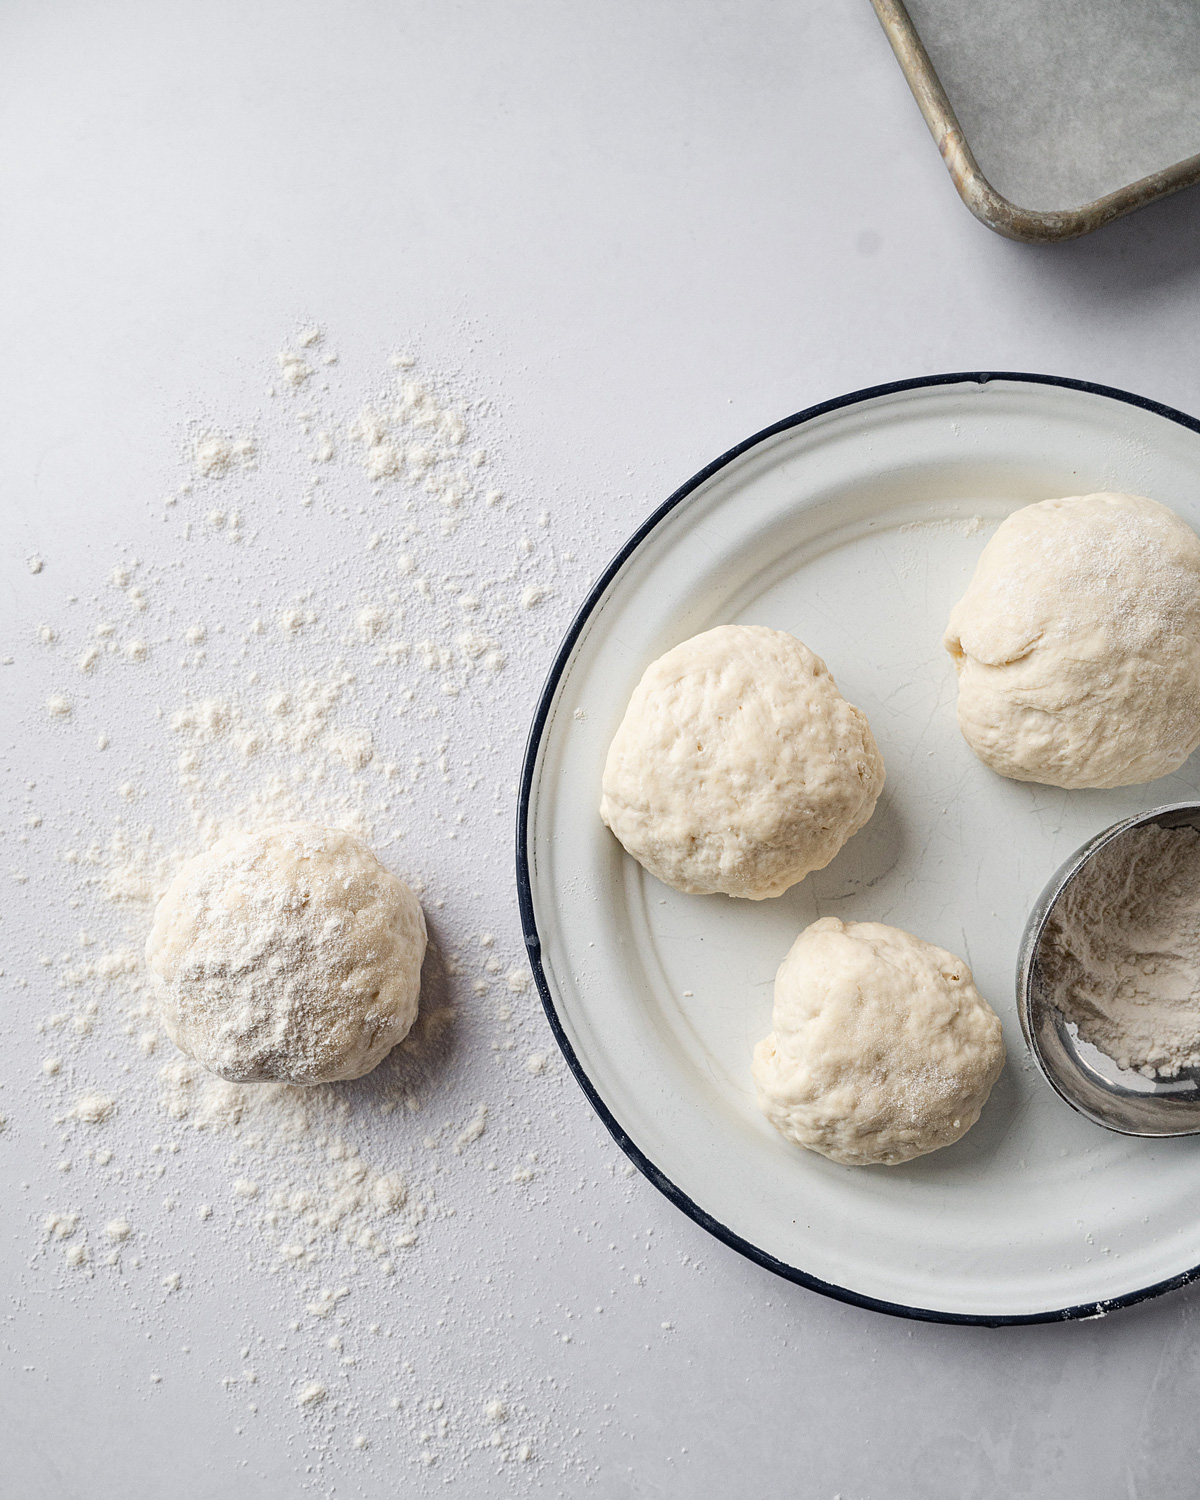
1054,119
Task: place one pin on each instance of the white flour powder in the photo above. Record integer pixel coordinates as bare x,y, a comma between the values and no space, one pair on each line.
1121,954
329,618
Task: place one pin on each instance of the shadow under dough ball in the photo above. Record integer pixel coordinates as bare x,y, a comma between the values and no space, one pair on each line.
738,766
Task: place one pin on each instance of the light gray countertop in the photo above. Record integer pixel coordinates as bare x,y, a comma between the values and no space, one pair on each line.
633,234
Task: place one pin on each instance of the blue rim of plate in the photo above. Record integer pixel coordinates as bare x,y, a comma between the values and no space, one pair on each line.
533,943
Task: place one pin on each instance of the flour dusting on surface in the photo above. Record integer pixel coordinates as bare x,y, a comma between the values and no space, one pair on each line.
335,614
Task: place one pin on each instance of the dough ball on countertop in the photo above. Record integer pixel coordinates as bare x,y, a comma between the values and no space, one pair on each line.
1077,643
289,953
883,1049
738,766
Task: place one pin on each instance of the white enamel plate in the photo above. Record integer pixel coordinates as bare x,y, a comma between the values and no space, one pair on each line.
855,526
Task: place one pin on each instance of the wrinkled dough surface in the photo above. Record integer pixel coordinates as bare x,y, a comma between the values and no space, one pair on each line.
883,1049
738,766
289,953
1077,643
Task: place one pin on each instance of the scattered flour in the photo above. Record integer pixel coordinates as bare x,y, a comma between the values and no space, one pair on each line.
293,368
215,455
356,663
61,1226
474,1129
93,1109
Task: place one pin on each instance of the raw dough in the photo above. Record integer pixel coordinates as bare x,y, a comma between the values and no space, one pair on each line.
289,953
883,1048
1077,643
738,766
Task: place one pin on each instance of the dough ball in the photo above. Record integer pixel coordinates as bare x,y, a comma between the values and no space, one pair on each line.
290,954
1078,643
738,766
883,1048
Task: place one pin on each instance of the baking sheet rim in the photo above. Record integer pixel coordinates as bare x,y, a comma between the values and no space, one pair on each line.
1031,226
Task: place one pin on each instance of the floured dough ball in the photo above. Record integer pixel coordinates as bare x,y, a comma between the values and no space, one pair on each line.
738,766
1078,643
290,954
883,1048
